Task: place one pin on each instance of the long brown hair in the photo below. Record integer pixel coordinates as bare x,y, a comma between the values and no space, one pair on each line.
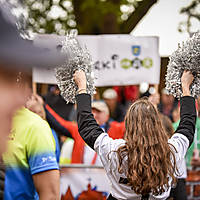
151,161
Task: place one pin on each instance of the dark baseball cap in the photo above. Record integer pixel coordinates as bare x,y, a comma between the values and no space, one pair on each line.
16,51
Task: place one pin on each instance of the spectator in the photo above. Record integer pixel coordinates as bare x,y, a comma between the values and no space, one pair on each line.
81,151
35,104
16,55
167,104
195,162
117,110
66,151
30,160
127,94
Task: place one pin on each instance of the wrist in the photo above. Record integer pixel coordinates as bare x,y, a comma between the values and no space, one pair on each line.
186,92
82,90
185,86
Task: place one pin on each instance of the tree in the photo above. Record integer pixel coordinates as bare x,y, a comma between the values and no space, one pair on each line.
192,12
88,16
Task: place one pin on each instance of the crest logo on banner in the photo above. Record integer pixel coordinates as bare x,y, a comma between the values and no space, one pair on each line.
136,50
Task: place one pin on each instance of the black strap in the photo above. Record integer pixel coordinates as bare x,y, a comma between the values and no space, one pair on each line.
110,197
145,197
125,181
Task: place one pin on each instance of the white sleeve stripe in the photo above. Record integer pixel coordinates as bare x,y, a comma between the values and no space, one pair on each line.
179,135
180,143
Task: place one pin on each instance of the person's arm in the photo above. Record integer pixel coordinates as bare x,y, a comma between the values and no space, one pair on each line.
187,118
88,127
47,184
54,121
40,151
187,110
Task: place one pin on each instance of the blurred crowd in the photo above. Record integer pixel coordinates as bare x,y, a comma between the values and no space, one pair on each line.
109,112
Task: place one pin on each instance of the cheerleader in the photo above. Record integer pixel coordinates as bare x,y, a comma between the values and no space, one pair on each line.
145,164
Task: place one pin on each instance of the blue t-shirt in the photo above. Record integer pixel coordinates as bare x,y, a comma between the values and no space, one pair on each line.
31,150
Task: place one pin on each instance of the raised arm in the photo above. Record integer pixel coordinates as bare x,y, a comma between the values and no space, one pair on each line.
88,127
56,122
188,110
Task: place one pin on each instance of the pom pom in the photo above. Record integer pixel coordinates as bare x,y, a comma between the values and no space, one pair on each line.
78,58
186,57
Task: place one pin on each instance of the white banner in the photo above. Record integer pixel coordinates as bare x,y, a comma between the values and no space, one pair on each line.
84,182
118,59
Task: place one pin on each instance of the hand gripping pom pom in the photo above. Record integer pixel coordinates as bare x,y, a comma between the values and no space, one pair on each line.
78,59
186,57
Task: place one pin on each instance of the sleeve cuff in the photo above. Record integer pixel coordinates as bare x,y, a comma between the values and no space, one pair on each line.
83,102
187,98
40,169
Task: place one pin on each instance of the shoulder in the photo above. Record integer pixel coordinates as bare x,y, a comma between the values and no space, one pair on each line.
36,121
28,117
26,120
180,143
107,144
32,124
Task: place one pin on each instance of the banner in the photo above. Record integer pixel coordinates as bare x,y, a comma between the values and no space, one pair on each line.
118,59
84,182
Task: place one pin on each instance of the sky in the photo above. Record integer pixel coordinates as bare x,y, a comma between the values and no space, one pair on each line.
162,20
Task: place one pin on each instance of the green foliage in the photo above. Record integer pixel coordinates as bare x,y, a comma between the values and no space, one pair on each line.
88,16
192,12
50,16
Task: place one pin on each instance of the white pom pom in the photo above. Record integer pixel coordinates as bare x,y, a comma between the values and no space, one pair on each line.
78,58
186,57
